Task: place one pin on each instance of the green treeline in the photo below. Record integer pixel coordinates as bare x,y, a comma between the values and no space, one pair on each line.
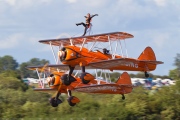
17,100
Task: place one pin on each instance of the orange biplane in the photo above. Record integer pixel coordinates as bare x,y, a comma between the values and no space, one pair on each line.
122,86
74,55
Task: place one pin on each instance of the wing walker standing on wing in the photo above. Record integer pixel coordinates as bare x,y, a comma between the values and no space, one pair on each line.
88,22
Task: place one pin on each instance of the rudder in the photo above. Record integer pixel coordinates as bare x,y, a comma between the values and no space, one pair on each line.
147,54
125,82
124,79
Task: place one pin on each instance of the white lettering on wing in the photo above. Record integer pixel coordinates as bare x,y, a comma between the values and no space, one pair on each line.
118,63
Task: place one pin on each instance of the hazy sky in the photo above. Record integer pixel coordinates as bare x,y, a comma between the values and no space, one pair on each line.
153,23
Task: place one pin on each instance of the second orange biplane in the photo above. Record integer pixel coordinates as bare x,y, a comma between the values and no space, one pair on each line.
122,86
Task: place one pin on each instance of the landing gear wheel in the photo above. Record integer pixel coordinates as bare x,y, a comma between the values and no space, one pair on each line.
55,102
146,74
70,101
123,97
86,77
66,80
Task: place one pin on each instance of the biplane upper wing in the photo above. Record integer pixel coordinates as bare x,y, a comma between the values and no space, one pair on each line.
91,38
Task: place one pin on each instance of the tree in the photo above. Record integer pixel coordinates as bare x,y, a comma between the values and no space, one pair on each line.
173,74
37,61
177,64
7,63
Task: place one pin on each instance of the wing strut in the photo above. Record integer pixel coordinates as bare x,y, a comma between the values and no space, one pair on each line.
83,43
121,48
110,45
115,50
125,48
93,43
53,53
71,42
42,84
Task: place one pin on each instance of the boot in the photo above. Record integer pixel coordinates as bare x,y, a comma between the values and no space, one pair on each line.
78,23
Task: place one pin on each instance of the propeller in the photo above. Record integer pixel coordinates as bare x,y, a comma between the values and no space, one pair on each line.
41,71
62,54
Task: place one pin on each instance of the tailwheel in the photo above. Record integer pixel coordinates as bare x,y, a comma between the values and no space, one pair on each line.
86,77
67,80
72,100
146,74
123,97
55,102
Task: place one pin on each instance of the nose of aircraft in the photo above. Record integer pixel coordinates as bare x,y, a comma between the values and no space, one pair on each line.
61,54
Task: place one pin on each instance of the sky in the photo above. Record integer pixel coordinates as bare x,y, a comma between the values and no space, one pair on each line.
153,23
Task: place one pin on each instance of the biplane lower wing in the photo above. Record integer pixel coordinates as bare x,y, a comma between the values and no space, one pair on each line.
105,88
113,64
122,63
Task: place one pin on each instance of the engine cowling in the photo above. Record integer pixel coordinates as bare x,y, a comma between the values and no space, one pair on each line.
66,54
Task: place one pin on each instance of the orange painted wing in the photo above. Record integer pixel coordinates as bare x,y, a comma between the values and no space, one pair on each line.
105,89
55,67
91,38
107,64
112,64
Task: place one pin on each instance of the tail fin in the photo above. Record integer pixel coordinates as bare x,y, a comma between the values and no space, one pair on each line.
147,54
125,82
124,79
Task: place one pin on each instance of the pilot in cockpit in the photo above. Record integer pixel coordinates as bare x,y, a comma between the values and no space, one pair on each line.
105,51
